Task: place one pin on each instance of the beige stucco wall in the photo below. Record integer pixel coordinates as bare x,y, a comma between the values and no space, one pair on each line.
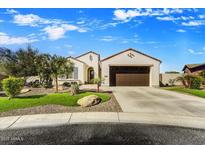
138,60
166,77
81,66
90,63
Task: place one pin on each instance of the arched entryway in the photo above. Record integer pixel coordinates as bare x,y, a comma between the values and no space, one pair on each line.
90,74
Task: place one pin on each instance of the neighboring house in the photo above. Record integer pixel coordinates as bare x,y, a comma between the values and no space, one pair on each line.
127,68
194,69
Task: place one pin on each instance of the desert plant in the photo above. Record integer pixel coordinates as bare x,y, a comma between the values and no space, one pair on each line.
97,81
74,89
66,84
12,86
185,79
191,81
196,82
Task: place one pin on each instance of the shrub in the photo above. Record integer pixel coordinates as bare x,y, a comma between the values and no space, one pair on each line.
66,84
12,86
196,82
48,84
34,84
74,82
74,89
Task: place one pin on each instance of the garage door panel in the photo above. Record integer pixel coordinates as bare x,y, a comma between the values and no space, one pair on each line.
132,79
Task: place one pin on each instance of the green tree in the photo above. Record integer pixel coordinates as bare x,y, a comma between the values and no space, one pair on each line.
20,63
26,65
60,66
44,69
8,62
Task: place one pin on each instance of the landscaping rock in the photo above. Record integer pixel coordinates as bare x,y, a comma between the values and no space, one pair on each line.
88,101
25,90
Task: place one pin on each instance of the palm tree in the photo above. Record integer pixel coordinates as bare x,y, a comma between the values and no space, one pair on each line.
59,66
187,80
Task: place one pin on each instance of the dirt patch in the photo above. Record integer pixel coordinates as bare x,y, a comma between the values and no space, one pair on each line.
109,106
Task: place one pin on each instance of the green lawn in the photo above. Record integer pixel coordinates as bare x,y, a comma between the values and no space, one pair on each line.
56,98
195,92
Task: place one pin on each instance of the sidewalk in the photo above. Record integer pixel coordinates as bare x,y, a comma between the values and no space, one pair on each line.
47,120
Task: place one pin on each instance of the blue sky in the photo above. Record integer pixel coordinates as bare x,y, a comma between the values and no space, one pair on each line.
175,36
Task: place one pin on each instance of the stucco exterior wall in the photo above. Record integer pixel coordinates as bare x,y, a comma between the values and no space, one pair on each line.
80,66
92,60
137,60
166,77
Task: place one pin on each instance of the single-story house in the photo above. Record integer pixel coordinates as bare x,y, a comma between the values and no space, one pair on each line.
126,68
194,68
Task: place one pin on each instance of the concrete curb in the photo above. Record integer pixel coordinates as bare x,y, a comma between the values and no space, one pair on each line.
42,120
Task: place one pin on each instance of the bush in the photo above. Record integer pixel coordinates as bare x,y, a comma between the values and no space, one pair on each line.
12,86
34,84
74,82
74,89
66,84
196,82
48,84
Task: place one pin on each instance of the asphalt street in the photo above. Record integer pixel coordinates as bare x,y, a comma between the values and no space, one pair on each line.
104,134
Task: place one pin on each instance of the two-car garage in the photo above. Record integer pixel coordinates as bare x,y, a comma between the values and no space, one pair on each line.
129,75
130,68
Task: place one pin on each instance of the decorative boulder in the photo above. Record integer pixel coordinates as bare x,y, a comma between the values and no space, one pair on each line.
88,101
25,90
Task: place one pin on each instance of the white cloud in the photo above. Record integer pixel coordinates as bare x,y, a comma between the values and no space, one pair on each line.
193,23
108,38
57,32
80,22
29,19
34,20
123,15
168,18
196,52
11,11
71,52
5,39
181,30
1,20
201,16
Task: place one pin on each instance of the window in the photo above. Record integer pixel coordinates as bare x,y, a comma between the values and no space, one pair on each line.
75,71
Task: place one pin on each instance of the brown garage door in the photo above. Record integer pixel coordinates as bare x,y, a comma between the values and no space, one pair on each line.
132,79
129,75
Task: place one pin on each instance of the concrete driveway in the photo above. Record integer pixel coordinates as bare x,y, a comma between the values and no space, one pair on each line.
158,101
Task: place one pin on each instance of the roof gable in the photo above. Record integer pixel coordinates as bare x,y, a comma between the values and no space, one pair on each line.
87,53
76,59
128,50
191,66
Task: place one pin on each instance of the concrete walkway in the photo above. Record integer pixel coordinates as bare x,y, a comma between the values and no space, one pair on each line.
45,120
